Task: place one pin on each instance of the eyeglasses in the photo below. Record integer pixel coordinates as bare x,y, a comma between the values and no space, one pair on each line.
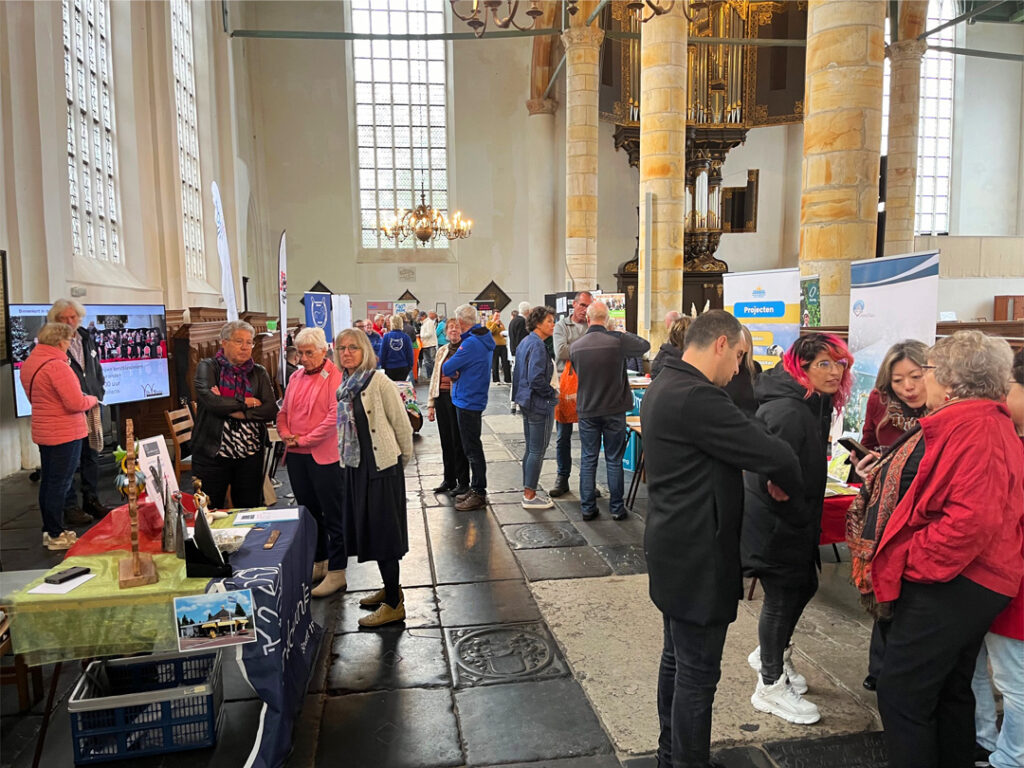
929,367
243,342
826,365
349,348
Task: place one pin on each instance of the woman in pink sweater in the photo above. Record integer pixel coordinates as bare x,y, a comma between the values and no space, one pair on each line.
308,424
58,425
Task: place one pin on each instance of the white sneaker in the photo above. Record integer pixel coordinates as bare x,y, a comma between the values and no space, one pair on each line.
781,700
58,543
798,681
538,502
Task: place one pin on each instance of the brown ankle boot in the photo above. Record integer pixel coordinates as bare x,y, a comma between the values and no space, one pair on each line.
333,582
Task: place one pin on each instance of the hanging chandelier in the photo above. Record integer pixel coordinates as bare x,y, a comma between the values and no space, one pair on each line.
427,223
479,25
636,7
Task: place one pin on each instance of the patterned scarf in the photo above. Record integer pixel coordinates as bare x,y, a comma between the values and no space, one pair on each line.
348,435
901,415
234,379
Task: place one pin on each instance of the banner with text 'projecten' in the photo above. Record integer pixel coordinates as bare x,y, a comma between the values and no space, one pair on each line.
768,303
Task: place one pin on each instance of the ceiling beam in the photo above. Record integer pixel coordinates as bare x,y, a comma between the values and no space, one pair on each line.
962,17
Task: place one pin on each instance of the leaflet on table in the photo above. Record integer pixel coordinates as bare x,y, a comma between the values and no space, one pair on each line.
61,589
267,516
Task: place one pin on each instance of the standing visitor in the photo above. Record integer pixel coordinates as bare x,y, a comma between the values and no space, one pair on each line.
235,399
697,443
396,351
468,369
440,406
567,330
532,391
780,538
308,425
602,400
673,348
84,358
428,342
374,439
58,426
517,329
741,388
500,358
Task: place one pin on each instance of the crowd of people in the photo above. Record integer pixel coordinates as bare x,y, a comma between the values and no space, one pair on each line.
736,466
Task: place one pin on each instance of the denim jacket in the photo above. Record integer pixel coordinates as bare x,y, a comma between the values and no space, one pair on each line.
531,380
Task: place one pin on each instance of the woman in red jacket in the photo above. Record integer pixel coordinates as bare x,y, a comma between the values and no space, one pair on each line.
58,425
950,553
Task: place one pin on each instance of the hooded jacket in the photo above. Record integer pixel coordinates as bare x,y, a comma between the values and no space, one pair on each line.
395,351
470,369
664,353
781,538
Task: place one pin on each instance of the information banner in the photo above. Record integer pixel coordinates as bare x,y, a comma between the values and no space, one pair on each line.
318,313
768,303
891,299
401,307
227,282
374,308
282,306
616,303
810,302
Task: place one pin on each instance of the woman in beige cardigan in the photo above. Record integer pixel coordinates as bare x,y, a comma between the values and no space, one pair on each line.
374,439
440,406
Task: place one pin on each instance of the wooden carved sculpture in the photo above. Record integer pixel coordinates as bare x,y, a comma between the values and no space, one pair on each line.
139,569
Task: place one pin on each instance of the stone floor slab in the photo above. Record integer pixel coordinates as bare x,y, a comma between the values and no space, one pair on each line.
469,546
534,717
604,532
543,535
383,660
420,611
413,727
562,563
589,761
486,602
513,514
503,653
625,559
857,750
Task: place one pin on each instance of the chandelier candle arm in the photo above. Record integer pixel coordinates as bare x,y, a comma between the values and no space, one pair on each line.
426,223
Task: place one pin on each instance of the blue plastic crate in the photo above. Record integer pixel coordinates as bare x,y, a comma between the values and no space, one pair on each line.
152,705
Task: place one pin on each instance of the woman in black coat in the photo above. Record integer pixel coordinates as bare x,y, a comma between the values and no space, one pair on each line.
779,543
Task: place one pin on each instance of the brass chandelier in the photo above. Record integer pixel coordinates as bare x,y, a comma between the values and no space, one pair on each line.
637,7
477,17
426,223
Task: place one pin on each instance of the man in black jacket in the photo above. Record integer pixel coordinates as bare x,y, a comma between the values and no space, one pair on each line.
602,401
696,445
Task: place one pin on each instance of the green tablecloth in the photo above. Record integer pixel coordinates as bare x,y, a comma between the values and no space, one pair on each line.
98,618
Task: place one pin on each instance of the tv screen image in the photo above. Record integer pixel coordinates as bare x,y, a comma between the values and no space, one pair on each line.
131,341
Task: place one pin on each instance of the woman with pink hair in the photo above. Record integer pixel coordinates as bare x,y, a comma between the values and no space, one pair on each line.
780,536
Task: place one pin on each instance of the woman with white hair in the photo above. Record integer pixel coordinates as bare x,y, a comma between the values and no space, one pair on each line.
235,399
308,425
948,556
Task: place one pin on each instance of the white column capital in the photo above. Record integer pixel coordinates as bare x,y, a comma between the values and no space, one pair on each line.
541,106
588,37
906,50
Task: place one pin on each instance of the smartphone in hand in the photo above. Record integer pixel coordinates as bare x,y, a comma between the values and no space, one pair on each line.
855,447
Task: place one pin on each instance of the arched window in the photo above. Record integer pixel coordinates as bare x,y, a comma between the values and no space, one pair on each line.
188,138
92,153
401,113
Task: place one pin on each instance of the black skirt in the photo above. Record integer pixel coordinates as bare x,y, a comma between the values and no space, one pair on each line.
373,502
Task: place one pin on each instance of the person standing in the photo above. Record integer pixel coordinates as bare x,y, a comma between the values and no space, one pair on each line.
235,400
396,351
532,391
468,369
500,357
58,425
567,330
440,406
308,425
516,333
428,343
697,443
602,400
673,347
84,358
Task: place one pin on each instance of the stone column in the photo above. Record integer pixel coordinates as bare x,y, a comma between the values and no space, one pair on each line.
662,165
582,77
545,271
842,134
904,118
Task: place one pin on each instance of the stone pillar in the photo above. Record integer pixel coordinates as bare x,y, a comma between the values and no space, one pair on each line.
842,134
904,119
662,166
582,77
545,271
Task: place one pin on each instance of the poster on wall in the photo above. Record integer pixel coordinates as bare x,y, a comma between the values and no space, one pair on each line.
891,299
768,303
401,307
318,313
374,308
810,301
616,303
561,301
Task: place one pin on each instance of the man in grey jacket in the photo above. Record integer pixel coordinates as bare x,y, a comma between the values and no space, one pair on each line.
602,400
567,330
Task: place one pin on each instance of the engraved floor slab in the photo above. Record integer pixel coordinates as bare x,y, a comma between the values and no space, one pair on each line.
543,535
857,750
503,653
374,661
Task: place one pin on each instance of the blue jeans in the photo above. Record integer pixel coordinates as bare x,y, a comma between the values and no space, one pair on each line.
59,464
89,470
537,431
563,449
1007,744
469,430
691,665
613,430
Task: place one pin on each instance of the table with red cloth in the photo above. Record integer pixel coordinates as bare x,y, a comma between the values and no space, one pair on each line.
833,519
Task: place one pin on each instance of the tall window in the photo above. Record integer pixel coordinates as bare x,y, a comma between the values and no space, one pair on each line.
92,163
188,137
401,113
935,129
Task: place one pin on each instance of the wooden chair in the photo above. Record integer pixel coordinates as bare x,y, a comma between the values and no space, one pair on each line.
180,424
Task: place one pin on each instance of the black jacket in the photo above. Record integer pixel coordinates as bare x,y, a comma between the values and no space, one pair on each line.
664,353
741,388
213,410
599,359
696,444
91,379
516,333
781,538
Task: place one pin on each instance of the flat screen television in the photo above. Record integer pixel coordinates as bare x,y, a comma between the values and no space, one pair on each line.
131,340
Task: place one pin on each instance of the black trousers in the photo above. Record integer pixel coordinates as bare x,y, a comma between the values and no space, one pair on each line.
243,476
784,601
88,473
456,465
876,651
398,374
691,666
500,358
924,690
318,487
469,432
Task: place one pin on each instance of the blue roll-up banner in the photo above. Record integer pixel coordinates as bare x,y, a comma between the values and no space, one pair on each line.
318,313
768,303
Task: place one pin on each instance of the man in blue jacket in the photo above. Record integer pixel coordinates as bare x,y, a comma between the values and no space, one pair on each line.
470,370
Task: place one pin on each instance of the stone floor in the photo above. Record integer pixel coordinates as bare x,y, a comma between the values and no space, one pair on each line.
530,640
